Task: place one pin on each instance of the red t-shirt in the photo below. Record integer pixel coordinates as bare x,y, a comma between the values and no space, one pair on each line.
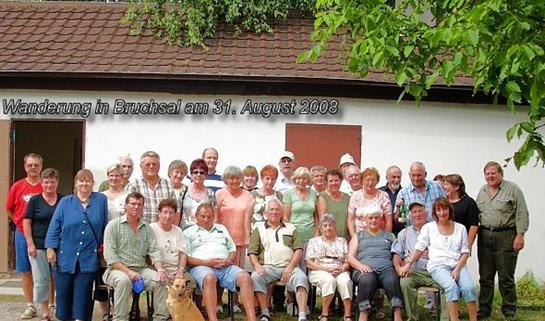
18,196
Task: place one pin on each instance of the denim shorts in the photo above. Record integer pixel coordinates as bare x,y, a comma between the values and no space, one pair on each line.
22,263
227,276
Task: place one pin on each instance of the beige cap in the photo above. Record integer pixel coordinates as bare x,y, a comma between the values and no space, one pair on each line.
287,154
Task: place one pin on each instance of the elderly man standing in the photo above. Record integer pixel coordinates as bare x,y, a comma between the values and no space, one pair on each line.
420,190
213,180
401,249
275,252
211,255
127,242
151,185
392,188
287,166
18,196
352,181
504,220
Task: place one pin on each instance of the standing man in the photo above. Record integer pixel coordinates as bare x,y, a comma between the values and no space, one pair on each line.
344,163
392,188
151,185
127,242
18,196
286,166
211,257
420,190
504,220
353,180
213,180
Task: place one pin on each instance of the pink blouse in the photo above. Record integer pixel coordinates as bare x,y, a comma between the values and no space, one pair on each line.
361,206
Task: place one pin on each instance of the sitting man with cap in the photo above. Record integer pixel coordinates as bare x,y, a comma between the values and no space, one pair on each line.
127,242
286,166
419,276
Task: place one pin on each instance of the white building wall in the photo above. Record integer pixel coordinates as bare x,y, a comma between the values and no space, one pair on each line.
448,138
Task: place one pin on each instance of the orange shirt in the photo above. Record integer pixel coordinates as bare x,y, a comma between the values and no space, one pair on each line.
232,213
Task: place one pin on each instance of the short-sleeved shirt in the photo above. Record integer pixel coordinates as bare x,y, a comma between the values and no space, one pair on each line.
466,212
443,250
40,213
361,207
327,253
204,244
259,206
274,246
410,194
282,184
152,196
375,250
404,246
122,244
339,209
116,206
232,212
18,196
171,243
302,212
506,209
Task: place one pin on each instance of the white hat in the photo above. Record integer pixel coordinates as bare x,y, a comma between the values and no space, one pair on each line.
287,154
347,158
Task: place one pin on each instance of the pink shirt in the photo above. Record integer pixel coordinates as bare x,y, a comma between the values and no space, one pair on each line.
361,206
232,213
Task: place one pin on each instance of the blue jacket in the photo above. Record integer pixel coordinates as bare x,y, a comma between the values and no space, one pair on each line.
71,235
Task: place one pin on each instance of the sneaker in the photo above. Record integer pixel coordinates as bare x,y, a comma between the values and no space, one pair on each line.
219,309
236,308
29,313
265,317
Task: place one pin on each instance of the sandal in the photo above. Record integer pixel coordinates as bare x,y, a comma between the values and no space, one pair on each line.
347,318
322,317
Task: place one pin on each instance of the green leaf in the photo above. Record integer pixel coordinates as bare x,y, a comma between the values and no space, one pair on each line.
511,132
407,50
473,36
513,87
401,77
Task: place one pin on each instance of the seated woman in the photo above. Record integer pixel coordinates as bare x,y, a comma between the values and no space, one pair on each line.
172,242
326,259
369,255
448,252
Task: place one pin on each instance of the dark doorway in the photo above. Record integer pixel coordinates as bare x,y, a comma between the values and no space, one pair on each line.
317,144
61,145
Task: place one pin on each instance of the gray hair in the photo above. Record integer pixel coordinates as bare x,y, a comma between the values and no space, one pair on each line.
149,153
273,199
301,172
177,164
232,171
327,218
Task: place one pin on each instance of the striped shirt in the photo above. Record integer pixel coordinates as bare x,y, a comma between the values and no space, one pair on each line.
152,196
123,245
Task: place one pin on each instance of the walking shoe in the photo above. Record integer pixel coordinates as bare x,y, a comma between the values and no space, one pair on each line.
29,313
219,309
236,308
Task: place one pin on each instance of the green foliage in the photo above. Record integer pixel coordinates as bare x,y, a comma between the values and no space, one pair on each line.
530,291
190,22
500,44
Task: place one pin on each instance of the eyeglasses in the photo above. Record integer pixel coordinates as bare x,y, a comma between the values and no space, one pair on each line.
198,172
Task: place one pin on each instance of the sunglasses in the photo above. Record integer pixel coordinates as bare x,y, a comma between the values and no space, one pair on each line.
198,172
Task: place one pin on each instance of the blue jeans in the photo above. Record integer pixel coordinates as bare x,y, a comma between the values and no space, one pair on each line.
465,285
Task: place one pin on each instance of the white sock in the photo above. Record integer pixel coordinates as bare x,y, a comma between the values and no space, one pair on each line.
265,311
302,315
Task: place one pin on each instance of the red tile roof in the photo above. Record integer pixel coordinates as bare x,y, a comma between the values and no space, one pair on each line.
87,38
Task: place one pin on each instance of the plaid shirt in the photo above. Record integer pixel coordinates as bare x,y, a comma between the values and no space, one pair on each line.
432,192
152,197
122,245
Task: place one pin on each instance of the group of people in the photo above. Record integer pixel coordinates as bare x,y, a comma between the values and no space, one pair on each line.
333,229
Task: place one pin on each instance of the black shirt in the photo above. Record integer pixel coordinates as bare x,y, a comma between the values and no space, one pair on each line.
40,213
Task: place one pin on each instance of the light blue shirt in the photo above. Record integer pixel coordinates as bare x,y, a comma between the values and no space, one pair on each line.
432,192
204,244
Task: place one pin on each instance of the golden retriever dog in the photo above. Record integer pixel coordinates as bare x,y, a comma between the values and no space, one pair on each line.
180,305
